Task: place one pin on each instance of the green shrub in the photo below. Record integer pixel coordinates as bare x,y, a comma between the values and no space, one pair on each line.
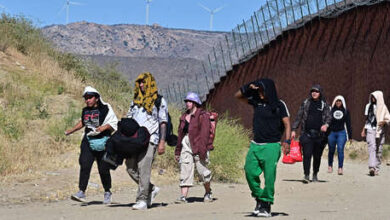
386,151
9,126
353,155
57,127
226,160
19,32
4,162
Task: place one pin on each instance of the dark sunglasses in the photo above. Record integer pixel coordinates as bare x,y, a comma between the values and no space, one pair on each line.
88,97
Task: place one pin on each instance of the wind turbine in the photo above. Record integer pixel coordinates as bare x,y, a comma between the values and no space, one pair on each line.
66,6
212,12
147,10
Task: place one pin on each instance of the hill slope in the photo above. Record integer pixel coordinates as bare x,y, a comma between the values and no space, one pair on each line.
125,40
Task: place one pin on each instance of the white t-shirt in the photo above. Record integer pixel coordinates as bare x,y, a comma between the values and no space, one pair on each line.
150,121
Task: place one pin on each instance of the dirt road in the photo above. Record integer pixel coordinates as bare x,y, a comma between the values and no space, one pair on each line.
355,195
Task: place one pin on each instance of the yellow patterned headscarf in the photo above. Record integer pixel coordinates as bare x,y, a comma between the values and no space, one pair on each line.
147,98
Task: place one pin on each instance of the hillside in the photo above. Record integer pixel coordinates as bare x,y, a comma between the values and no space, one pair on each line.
165,70
126,40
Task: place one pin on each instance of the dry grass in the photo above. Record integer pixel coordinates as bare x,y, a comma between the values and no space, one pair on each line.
37,100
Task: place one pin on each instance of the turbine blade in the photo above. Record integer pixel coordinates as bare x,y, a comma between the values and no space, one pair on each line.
219,9
76,3
63,8
204,7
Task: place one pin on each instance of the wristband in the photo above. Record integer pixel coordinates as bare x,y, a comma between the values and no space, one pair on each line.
287,141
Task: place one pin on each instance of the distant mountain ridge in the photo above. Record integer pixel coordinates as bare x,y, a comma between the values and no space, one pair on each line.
172,55
129,40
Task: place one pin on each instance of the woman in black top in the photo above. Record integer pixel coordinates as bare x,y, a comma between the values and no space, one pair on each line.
340,132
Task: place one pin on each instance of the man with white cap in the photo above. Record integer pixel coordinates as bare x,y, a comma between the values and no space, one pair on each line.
99,121
192,147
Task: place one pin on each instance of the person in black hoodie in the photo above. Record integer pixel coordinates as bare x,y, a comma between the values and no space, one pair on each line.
314,117
340,132
270,120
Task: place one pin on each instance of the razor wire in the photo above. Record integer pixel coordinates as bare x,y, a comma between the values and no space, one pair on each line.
253,34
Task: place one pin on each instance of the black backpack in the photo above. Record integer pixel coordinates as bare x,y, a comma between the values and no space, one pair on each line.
170,138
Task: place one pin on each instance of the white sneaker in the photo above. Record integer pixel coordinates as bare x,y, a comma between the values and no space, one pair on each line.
107,198
153,195
140,205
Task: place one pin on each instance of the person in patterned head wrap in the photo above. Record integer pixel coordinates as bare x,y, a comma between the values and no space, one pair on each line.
144,110
145,91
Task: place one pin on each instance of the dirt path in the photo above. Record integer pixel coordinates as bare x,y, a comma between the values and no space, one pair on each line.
354,195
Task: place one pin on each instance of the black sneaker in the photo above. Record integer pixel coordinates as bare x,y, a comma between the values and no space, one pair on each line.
306,179
265,209
315,178
257,208
372,172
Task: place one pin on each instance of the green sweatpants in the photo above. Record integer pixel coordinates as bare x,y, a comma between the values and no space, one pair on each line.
262,158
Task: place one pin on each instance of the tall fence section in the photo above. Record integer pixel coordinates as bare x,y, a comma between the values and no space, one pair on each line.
247,38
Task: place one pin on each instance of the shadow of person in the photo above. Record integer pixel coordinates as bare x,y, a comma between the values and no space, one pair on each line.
304,182
273,214
198,199
91,203
129,205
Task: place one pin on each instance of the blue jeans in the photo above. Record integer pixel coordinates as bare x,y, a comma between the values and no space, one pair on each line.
339,138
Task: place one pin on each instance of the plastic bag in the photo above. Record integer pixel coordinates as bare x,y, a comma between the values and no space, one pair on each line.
294,155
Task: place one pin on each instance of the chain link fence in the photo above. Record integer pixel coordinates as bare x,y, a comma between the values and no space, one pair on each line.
247,38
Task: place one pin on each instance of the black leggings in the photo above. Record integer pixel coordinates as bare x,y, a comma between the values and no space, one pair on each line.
87,157
312,147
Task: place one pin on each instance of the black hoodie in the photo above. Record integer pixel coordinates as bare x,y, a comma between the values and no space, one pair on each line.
268,113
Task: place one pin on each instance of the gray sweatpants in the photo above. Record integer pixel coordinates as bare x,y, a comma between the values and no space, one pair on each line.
375,146
188,162
139,167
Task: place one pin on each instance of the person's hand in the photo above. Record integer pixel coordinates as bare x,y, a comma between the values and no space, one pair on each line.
324,128
286,148
363,134
100,129
252,86
382,123
177,158
161,148
293,134
68,132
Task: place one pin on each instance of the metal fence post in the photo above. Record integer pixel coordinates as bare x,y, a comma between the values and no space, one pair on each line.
258,28
211,68
308,8
197,84
247,36
235,45
277,13
271,19
229,51
285,12
254,32
216,62
292,9
265,23
242,44
223,57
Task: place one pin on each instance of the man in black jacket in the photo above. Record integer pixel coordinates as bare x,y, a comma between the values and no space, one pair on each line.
314,117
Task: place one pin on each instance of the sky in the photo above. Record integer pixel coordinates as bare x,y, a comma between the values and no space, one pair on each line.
185,14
